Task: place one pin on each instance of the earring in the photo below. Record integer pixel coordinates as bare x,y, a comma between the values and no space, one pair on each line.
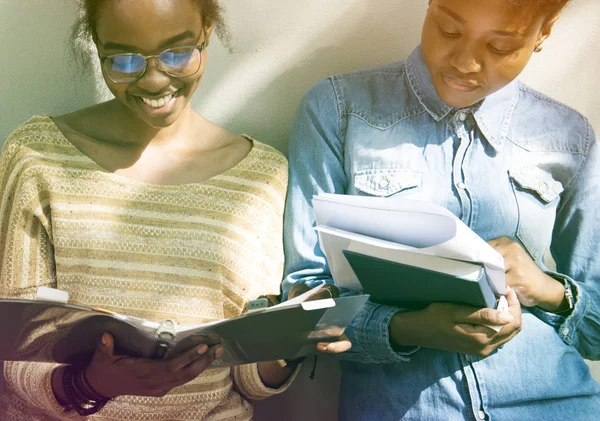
538,49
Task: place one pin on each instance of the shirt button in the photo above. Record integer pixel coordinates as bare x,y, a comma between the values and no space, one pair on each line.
468,358
384,182
461,185
462,116
481,415
565,331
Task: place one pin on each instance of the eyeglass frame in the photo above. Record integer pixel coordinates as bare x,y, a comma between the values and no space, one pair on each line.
200,48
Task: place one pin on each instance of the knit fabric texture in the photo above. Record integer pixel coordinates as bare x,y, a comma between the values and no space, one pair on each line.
193,253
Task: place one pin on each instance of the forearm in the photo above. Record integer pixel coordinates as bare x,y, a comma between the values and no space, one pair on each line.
404,331
553,298
581,327
575,248
57,385
248,380
34,383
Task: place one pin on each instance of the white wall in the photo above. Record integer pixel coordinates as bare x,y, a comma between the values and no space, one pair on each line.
282,48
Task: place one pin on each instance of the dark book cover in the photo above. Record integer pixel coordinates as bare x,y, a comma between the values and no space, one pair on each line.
58,332
413,287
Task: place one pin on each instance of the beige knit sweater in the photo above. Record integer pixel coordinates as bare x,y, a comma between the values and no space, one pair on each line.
193,253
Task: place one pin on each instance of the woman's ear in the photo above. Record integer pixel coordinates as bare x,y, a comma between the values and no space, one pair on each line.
208,30
545,32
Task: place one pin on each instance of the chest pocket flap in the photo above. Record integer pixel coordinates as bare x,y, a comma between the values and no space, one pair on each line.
536,193
386,182
538,181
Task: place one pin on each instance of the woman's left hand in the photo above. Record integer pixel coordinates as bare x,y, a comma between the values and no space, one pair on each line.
533,287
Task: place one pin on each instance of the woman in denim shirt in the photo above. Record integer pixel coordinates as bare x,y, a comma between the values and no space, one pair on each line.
451,125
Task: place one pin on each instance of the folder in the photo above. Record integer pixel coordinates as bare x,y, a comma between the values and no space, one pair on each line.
58,332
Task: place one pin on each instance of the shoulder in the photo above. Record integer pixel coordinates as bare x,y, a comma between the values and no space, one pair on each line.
38,136
543,123
30,152
370,83
379,95
38,127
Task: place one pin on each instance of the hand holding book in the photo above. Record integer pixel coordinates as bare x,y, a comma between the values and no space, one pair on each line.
457,328
532,286
111,374
418,256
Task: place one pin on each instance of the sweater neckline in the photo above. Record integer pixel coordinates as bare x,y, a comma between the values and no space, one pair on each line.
101,169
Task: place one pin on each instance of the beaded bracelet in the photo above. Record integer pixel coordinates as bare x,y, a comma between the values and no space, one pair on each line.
81,396
83,384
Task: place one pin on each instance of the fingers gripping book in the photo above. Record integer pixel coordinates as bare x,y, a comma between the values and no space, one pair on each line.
50,331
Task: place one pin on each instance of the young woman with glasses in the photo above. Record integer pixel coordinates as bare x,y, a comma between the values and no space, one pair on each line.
453,126
141,206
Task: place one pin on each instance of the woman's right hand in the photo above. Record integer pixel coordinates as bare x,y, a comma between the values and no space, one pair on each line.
113,375
343,344
457,328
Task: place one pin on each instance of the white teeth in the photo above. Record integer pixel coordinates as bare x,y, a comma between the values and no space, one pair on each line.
157,103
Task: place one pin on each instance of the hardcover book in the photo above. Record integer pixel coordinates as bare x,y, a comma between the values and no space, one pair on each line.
413,287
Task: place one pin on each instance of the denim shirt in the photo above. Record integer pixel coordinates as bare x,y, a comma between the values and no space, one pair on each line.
518,164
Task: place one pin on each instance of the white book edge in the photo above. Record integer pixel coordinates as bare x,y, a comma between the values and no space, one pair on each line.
403,254
425,225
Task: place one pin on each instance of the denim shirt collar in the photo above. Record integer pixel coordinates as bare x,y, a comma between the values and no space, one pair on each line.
493,114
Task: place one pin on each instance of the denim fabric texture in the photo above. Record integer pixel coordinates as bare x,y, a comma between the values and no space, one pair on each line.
518,164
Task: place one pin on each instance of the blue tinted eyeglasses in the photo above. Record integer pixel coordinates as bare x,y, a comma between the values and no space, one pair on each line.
176,62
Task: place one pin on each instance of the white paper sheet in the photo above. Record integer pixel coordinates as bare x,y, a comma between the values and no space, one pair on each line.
424,227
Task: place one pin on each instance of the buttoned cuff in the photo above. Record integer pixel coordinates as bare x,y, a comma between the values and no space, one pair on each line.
369,334
566,326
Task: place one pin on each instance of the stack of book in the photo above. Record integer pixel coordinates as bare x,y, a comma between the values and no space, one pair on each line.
406,253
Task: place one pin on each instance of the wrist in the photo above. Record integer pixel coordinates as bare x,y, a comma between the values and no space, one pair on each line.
98,381
273,375
80,396
555,298
57,386
403,330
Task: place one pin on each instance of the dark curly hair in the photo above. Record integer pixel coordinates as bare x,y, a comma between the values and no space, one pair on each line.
83,28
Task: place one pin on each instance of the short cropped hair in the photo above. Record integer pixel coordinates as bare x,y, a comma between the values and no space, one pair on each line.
551,7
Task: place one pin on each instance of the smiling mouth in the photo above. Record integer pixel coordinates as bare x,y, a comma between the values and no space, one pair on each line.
458,84
157,103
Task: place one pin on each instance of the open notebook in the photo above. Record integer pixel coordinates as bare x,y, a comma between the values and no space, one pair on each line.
59,332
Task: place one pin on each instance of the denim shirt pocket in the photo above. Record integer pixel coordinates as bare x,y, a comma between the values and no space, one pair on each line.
387,182
537,194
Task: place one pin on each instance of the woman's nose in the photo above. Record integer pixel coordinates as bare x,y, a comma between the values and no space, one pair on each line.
465,59
154,79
